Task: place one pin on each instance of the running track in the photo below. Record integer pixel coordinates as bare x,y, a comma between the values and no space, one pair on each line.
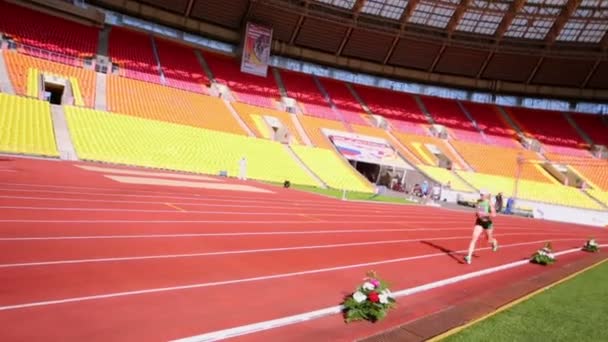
83,257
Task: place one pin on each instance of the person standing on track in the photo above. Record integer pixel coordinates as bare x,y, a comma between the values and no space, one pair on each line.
483,223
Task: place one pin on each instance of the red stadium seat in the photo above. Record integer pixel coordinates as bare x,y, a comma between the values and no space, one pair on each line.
133,52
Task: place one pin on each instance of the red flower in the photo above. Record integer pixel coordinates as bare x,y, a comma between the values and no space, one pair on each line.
373,297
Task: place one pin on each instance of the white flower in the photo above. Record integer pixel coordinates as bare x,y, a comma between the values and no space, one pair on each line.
542,252
359,296
368,286
551,255
388,293
383,298
592,243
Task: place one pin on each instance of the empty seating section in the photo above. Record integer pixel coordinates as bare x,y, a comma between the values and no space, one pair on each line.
251,89
332,170
602,196
302,87
445,177
48,32
26,126
531,190
500,161
19,64
448,113
417,145
133,53
595,127
181,67
395,105
129,140
344,101
489,120
153,101
313,126
248,113
551,129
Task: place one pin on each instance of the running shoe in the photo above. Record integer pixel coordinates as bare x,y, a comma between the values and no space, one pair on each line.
494,246
467,260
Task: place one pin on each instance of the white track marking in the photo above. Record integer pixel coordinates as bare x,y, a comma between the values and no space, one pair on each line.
333,310
246,280
246,233
273,222
246,251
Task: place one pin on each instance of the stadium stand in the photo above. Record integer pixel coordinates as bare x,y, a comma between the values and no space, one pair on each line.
496,130
602,196
551,129
593,171
19,64
125,139
313,126
396,106
501,161
594,126
333,171
416,144
181,67
48,32
247,88
445,176
448,113
134,98
26,126
252,116
132,51
348,106
302,87
531,190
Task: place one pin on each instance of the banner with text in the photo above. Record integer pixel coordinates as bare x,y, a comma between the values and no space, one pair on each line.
256,50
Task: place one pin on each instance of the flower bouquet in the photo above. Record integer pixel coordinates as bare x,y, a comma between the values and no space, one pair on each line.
370,301
544,256
591,246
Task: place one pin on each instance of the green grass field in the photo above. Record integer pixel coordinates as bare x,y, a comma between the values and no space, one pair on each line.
576,310
354,196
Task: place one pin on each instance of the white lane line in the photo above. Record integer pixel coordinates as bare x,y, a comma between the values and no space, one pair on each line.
247,280
246,233
402,223
245,251
307,316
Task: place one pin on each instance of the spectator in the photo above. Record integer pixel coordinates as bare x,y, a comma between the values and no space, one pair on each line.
243,169
425,188
436,192
498,202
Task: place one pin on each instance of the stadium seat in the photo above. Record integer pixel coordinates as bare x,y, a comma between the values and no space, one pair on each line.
348,106
125,139
313,126
153,101
248,113
26,126
445,176
48,32
500,161
551,129
395,105
602,196
302,87
593,171
181,67
132,52
531,190
18,65
594,126
416,144
247,88
448,113
332,170
488,119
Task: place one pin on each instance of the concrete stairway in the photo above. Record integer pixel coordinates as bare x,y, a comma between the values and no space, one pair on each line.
5,83
238,119
578,129
157,58
103,41
304,166
62,134
100,92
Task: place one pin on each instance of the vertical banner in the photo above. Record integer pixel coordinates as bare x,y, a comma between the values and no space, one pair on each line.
256,50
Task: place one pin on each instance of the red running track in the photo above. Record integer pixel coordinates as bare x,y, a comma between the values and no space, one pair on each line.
83,257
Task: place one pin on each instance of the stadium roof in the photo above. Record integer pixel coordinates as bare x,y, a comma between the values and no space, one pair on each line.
560,43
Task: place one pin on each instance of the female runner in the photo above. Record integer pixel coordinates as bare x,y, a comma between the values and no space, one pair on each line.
483,223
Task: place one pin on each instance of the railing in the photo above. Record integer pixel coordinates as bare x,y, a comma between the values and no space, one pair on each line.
49,55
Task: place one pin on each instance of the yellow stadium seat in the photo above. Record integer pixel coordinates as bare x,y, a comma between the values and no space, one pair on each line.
531,190
332,170
26,126
126,139
250,114
153,101
444,176
602,196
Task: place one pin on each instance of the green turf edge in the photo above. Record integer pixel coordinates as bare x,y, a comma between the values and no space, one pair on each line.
350,195
575,310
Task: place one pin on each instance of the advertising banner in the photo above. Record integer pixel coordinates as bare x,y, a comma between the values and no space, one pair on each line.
256,50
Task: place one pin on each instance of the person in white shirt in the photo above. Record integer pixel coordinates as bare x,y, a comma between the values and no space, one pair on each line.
243,169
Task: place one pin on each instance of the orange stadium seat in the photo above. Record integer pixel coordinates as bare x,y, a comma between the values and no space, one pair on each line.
415,143
247,113
500,161
153,101
313,126
19,64
593,171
